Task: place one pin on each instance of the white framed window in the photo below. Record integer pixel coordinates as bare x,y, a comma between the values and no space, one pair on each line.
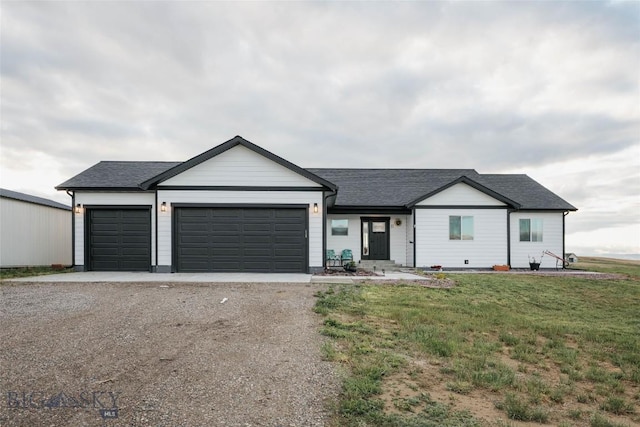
531,229
460,227
339,227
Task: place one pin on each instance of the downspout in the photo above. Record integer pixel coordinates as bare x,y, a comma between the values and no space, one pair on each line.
564,215
324,228
413,215
155,268
73,227
509,211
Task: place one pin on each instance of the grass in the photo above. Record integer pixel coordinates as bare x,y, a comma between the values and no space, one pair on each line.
521,347
12,273
608,265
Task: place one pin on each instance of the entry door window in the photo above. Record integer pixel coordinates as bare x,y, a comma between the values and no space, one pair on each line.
365,239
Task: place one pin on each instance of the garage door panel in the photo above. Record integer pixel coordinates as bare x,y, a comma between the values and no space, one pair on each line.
225,239
193,227
265,239
105,213
225,228
119,239
195,252
140,252
285,239
193,240
105,239
289,266
104,228
135,265
104,252
257,252
250,214
137,240
222,253
247,239
258,227
105,265
193,213
286,253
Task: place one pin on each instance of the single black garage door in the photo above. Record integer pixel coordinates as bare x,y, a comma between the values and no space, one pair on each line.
119,239
240,239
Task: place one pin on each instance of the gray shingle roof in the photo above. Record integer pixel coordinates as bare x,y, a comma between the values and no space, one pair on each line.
32,199
357,187
526,191
400,187
116,175
388,187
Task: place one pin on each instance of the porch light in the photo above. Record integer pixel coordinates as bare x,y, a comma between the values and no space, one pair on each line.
163,207
78,208
315,208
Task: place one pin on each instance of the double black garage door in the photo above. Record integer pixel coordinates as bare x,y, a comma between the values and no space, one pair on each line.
240,239
204,239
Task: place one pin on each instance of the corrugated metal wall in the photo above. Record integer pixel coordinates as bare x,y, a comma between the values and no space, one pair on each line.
33,235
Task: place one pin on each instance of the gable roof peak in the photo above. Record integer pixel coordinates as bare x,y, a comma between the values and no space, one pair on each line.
225,146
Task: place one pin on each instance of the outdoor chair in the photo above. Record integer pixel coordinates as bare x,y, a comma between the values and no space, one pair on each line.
346,256
333,260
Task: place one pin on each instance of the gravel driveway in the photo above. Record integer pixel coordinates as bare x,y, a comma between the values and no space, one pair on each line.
162,354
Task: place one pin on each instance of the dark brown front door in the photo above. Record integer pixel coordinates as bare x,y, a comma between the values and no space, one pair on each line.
375,238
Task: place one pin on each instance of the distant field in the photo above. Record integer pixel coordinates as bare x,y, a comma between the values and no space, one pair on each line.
494,350
608,265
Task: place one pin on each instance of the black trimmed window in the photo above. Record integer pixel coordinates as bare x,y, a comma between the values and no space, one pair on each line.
339,227
460,227
531,229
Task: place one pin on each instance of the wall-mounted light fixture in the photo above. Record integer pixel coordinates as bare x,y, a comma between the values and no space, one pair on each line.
315,208
78,208
163,207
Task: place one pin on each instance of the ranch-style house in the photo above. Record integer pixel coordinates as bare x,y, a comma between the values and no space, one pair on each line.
240,208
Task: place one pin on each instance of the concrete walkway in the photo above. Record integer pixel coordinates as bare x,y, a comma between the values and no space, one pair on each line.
114,276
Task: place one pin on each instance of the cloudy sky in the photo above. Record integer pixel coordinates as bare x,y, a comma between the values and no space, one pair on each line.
550,89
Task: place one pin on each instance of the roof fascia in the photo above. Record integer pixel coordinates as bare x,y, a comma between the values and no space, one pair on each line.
237,140
52,204
471,183
106,189
345,210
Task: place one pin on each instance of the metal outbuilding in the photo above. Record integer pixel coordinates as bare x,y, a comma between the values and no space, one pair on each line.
33,231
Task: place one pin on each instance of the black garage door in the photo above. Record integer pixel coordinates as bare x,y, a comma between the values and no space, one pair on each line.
240,239
119,239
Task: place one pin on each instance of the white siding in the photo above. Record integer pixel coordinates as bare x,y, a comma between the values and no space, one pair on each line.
111,199
240,166
460,195
33,235
433,247
551,239
241,197
397,236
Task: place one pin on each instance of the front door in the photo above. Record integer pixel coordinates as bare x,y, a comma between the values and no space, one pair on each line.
375,238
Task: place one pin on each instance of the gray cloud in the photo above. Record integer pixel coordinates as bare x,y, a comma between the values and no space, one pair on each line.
492,86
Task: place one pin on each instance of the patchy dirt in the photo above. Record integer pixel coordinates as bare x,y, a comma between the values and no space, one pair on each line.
161,354
425,376
427,282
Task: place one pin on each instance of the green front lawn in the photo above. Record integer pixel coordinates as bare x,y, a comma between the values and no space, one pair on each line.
496,349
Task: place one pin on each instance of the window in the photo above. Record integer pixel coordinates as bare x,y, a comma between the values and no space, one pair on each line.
378,227
530,230
460,228
339,227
